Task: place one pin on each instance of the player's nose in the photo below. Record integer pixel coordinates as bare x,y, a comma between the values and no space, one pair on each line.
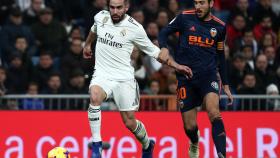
115,10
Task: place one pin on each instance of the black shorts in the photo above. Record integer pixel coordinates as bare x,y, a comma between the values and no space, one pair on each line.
190,93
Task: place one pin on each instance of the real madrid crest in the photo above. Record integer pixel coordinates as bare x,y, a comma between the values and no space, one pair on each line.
213,32
105,19
123,32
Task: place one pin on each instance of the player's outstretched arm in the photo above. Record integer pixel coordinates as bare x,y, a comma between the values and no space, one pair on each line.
165,58
87,53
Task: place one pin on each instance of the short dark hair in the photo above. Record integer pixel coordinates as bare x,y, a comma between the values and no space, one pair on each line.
153,80
46,53
246,46
250,73
247,29
125,1
32,83
239,56
20,37
54,74
16,12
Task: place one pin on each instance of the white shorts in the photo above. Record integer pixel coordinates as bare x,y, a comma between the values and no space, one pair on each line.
125,93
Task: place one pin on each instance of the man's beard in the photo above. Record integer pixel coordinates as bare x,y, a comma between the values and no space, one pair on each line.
206,15
117,21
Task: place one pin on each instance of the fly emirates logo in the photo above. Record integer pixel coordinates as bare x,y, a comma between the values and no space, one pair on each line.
199,41
108,40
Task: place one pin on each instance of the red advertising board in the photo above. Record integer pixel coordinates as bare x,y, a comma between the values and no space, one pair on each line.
33,134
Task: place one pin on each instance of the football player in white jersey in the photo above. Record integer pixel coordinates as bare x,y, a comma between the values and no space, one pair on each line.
116,34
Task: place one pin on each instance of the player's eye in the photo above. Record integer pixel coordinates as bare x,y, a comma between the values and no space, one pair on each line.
199,2
112,7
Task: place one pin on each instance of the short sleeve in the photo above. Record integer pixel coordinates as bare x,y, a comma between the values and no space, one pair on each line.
142,41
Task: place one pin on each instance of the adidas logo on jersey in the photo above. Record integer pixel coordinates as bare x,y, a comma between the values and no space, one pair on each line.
192,28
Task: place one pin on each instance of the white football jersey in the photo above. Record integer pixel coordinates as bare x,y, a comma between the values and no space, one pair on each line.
115,43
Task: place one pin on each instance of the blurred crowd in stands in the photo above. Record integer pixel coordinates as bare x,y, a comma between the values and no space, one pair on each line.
41,45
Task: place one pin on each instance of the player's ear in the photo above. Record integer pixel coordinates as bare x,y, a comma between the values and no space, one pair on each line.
211,3
126,7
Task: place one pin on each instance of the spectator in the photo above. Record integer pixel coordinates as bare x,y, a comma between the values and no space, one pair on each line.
237,71
76,33
54,85
21,46
152,104
263,7
31,15
268,39
265,26
153,89
12,30
76,83
49,33
138,15
235,29
270,54
263,76
150,9
246,39
43,70
249,87
272,104
242,7
162,19
152,30
248,54
173,9
17,76
74,59
32,103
